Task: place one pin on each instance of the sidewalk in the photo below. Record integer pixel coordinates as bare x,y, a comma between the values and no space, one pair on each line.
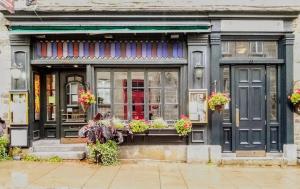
150,175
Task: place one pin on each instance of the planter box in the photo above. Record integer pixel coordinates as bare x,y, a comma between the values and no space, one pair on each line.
166,132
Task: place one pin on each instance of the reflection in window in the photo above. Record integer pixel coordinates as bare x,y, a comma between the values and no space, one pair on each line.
103,93
155,90
273,94
120,95
138,95
226,89
249,49
50,90
18,72
171,95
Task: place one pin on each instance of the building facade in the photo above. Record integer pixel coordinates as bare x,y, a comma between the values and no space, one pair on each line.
142,62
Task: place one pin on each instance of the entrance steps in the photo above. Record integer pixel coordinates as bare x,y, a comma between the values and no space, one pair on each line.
49,148
271,159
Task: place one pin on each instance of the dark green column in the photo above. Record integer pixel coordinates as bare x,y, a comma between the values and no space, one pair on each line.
216,119
287,85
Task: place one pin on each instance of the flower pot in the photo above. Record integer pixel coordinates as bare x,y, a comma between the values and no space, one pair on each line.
219,108
17,157
85,106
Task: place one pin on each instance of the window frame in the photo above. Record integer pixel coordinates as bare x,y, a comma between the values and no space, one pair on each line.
146,89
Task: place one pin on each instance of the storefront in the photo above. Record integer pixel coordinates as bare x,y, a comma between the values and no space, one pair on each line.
145,69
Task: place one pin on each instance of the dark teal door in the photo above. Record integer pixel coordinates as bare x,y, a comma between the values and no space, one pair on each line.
249,107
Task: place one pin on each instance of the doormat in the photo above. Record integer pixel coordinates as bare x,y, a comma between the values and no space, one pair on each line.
251,153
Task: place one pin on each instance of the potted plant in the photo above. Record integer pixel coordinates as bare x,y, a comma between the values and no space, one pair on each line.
295,99
138,126
16,153
159,123
183,126
86,99
217,101
118,124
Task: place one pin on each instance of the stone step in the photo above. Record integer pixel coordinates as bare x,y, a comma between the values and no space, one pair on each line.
46,142
71,155
254,161
59,148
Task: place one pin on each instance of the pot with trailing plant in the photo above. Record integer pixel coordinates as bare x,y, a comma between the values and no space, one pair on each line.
295,100
138,126
86,99
217,101
183,126
16,153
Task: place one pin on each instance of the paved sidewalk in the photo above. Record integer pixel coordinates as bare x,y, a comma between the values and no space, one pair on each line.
152,175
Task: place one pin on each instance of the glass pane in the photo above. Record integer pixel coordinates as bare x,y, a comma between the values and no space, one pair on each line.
154,111
226,89
50,95
120,111
51,113
154,79
154,95
103,80
171,79
171,112
104,109
103,96
171,96
137,96
74,88
228,48
120,95
120,79
270,49
242,48
74,99
273,94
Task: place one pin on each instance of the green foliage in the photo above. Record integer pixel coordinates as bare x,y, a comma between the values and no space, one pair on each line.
4,148
183,126
295,97
159,123
117,123
108,152
138,126
217,99
55,159
29,157
16,151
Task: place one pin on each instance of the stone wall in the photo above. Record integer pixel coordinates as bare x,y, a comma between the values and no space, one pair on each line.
297,77
5,60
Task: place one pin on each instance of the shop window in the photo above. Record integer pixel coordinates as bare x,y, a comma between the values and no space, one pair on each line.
249,49
51,96
18,72
145,94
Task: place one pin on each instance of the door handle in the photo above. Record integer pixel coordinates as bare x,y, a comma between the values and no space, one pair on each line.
237,117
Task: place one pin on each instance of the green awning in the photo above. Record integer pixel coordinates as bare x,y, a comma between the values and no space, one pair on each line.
107,29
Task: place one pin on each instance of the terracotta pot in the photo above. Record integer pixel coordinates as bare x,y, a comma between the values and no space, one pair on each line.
85,107
219,108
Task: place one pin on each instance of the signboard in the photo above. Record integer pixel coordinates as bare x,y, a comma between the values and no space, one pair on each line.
198,111
18,108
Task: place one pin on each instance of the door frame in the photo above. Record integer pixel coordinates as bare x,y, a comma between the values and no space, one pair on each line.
273,128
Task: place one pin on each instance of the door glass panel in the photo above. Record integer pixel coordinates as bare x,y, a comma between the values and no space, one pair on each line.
226,89
51,96
273,94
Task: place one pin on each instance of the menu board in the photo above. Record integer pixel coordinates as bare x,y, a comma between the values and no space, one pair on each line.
198,106
18,108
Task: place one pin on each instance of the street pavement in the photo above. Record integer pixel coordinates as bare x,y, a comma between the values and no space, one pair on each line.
144,175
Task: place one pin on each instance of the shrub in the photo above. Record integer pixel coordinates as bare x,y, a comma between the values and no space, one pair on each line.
55,159
138,126
29,157
108,152
159,123
4,148
16,151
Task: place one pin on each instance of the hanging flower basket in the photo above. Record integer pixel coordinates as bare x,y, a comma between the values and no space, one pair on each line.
294,98
217,101
86,99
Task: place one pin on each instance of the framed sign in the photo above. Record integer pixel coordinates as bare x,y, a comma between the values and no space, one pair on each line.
37,94
18,106
198,112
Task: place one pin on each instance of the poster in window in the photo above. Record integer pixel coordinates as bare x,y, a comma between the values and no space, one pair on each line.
198,105
18,108
37,93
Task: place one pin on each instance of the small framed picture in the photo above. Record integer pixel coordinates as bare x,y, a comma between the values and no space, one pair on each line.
198,111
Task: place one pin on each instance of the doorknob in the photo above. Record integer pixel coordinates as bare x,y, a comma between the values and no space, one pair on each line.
237,117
